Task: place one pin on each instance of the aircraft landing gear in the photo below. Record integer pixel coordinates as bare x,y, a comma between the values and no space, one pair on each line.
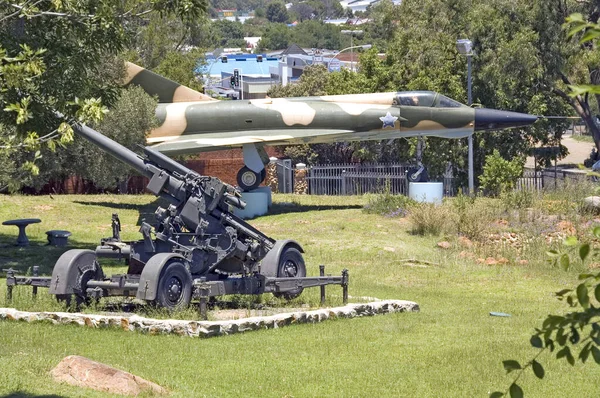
419,173
249,180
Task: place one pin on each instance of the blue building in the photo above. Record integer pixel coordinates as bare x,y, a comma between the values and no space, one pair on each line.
254,71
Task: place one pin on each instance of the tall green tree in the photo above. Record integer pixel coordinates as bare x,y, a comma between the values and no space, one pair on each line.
51,60
276,12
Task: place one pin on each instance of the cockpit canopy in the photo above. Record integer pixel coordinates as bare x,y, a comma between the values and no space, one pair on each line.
426,99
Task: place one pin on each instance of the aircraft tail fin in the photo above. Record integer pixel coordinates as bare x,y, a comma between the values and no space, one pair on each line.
157,85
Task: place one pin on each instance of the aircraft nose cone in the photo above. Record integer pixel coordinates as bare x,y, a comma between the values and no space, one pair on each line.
492,119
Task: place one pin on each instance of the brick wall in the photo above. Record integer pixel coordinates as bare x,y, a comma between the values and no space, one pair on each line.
221,164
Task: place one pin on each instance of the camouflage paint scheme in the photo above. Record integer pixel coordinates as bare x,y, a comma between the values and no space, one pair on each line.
192,122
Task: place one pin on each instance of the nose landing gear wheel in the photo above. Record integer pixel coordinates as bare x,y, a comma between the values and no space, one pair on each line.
413,175
249,180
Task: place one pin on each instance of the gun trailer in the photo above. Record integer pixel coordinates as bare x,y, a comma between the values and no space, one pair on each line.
197,248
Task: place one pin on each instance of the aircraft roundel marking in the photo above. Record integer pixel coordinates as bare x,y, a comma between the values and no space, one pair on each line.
388,120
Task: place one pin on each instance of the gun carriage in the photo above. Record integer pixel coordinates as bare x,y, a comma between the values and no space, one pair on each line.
198,247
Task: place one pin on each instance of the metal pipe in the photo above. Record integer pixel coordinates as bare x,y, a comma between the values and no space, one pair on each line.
113,285
470,139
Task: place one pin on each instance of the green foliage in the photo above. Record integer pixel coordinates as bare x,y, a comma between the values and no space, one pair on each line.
276,12
574,335
180,67
388,204
131,118
52,59
277,36
430,219
500,174
473,216
517,199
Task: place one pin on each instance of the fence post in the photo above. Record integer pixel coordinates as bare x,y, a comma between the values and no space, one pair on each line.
343,182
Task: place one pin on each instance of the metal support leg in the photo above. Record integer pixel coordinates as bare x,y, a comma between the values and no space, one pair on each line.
10,277
345,286
36,271
204,290
322,273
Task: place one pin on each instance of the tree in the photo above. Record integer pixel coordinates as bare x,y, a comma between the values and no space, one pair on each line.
581,327
277,37
51,59
276,12
303,11
127,122
180,68
586,70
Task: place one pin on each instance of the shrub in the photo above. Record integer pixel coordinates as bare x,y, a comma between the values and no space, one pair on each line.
389,205
429,219
517,199
473,216
500,174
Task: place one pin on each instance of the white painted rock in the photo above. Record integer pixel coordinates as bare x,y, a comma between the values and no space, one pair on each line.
83,372
210,328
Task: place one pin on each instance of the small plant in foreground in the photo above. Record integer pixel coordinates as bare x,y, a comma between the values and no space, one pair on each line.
430,219
474,216
388,204
517,199
565,333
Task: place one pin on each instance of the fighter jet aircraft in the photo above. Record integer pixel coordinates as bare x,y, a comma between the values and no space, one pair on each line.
191,122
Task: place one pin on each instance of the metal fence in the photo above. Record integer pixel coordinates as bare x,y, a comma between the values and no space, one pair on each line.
357,179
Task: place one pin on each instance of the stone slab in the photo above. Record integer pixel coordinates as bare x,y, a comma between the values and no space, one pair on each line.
83,372
210,328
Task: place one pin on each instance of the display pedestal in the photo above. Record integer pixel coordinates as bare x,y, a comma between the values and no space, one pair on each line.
428,192
257,201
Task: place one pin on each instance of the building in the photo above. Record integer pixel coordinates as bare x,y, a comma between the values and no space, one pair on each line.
253,69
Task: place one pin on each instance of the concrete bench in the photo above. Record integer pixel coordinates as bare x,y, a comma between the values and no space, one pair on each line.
22,224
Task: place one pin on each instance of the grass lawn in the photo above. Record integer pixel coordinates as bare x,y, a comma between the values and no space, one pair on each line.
452,348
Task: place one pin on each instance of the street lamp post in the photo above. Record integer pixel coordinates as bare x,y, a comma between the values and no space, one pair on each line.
352,33
363,46
465,47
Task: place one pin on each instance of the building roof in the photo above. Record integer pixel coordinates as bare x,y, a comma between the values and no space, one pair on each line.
293,49
247,64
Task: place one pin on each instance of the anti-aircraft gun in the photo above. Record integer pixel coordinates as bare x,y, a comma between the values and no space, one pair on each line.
198,248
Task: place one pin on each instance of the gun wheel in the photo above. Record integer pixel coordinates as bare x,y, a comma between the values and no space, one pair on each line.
174,287
291,264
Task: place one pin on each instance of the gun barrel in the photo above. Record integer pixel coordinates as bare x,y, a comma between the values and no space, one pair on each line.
115,149
167,162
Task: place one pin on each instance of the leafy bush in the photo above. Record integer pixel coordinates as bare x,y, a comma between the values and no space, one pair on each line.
429,219
388,204
500,174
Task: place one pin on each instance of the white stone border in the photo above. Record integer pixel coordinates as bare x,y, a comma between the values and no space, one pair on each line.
210,328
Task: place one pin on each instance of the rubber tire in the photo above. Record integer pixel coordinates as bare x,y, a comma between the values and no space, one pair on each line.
290,254
174,271
258,178
423,177
89,272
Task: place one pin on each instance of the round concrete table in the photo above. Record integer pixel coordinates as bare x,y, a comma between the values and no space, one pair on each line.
22,224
